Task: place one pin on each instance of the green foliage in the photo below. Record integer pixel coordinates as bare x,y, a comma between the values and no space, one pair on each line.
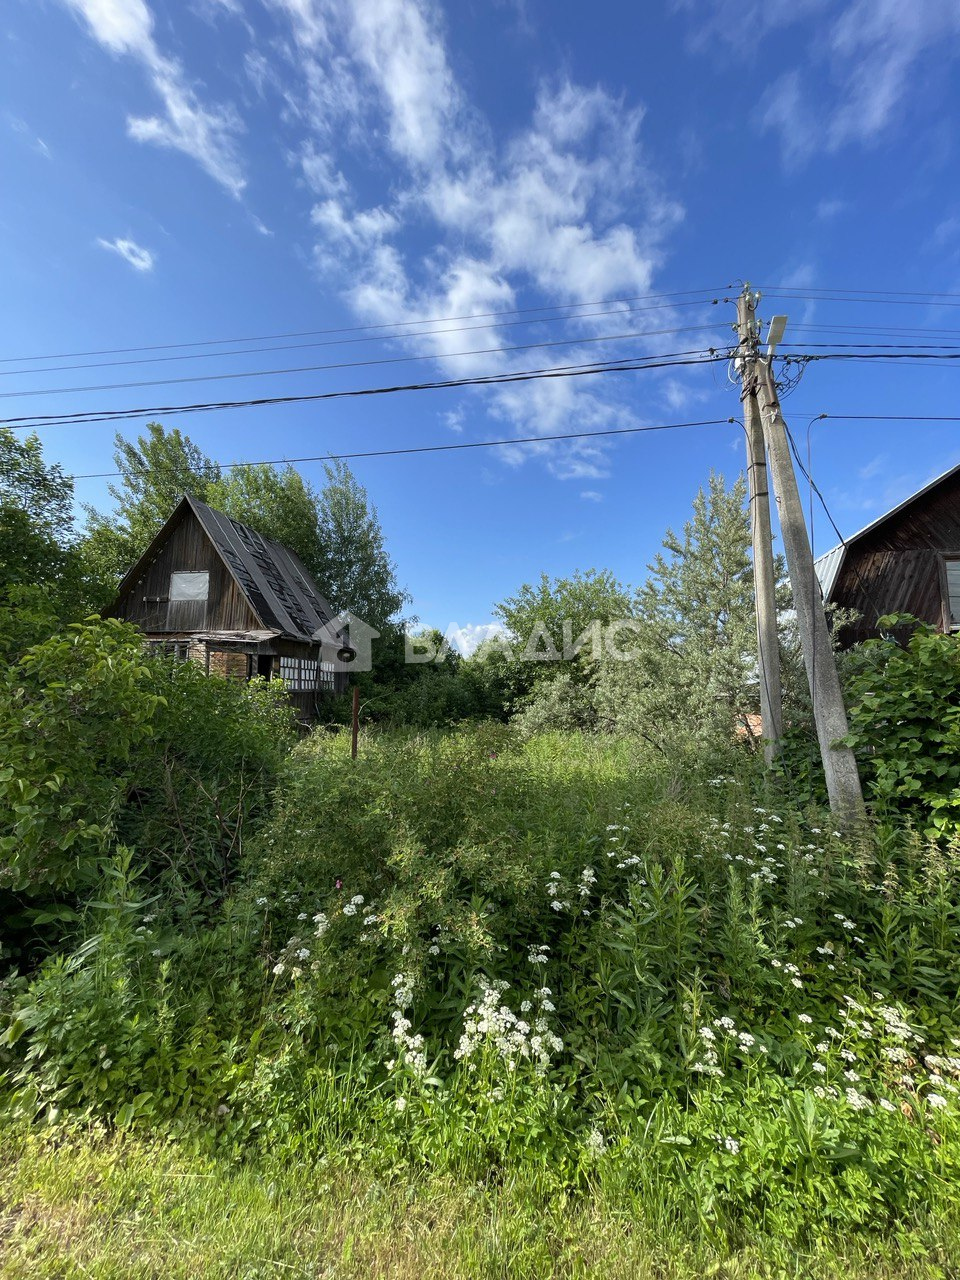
73,712
103,743
278,504
202,778
155,473
355,571
545,621
41,579
574,963
905,725
694,666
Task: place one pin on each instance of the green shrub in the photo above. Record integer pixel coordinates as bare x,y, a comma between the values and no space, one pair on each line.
905,725
205,774
75,711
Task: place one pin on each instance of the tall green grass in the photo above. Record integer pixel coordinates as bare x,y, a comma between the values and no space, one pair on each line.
563,970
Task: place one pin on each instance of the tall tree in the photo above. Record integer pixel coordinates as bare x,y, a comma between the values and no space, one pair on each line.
694,663
155,473
278,504
36,517
356,573
40,571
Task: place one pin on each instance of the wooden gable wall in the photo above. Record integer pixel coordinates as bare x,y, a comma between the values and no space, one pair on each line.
186,549
898,567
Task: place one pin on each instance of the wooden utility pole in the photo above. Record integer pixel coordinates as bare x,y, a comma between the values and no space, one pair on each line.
764,579
829,713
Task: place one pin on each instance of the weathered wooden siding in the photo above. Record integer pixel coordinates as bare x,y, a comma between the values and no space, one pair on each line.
188,550
898,567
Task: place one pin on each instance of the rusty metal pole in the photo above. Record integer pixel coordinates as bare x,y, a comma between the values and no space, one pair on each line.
356,721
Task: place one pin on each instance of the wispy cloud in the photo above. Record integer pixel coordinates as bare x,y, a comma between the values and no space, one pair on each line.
139,258
36,143
591,495
871,55
827,209
208,134
565,210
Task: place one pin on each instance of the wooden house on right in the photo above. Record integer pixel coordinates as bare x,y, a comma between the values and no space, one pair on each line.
908,561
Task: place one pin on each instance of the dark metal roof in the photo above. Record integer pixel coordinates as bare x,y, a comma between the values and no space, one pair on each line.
828,565
280,590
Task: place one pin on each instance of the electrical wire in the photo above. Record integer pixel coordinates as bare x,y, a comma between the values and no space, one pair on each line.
340,364
815,489
342,342
87,417
897,293
441,448
891,302
387,324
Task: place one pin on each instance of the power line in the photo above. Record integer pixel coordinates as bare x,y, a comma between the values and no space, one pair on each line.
888,331
88,417
815,489
889,417
910,350
892,302
341,342
441,448
910,347
324,368
387,324
897,293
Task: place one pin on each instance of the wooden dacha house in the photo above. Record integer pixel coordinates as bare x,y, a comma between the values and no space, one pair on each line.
908,561
215,591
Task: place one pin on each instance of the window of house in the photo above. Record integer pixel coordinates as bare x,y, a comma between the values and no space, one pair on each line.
299,674
178,649
306,675
189,586
953,591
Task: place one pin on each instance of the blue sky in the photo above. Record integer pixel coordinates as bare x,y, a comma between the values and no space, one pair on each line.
223,169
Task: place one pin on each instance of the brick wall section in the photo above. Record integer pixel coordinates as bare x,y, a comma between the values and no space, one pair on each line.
231,665
197,652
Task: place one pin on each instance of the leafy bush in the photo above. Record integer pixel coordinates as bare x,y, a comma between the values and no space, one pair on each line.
74,711
562,959
104,744
905,725
204,775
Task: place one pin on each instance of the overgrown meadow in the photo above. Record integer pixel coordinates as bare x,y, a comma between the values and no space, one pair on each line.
564,969
553,980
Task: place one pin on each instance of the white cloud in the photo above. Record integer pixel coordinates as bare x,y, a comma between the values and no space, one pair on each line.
139,258
467,639
743,23
783,109
36,143
566,210
205,133
591,495
827,210
871,56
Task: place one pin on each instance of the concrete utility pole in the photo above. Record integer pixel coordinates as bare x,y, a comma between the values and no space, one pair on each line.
829,713
764,580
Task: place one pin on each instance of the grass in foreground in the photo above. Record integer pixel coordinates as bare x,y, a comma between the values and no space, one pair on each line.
118,1207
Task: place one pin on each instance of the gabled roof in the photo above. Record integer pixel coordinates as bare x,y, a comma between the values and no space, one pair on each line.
828,565
273,579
